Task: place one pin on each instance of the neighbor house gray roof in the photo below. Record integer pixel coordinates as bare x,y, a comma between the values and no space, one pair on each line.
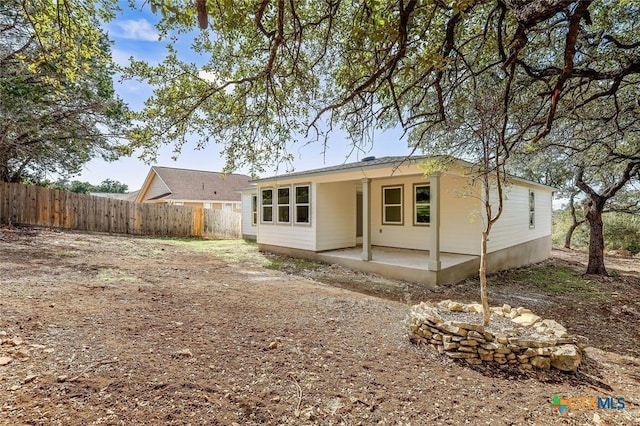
186,184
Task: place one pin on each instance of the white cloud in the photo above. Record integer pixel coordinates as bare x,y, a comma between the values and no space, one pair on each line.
120,56
212,77
208,76
136,29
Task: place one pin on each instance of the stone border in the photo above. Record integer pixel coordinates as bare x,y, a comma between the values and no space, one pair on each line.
524,339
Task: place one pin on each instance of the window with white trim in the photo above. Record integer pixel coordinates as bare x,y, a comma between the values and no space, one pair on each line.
267,205
302,204
392,213
254,209
532,209
284,204
421,204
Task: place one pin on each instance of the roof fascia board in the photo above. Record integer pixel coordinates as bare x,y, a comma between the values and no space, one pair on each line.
147,183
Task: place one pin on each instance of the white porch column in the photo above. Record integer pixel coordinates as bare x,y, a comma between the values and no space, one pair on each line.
434,249
366,219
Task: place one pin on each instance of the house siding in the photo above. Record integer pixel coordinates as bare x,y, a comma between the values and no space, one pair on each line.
336,223
460,224
248,228
513,226
406,235
156,188
287,235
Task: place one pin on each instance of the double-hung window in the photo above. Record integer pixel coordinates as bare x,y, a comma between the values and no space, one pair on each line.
267,205
284,204
532,209
254,209
302,204
392,213
422,204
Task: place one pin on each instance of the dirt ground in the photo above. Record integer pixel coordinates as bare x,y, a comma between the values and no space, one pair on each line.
606,310
98,329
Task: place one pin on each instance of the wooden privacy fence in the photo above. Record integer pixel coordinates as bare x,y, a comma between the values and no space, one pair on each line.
34,205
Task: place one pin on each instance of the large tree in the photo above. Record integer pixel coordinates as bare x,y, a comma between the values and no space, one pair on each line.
58,107
278,71
107,185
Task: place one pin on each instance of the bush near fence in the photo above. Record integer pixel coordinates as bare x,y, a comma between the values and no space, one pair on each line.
38,206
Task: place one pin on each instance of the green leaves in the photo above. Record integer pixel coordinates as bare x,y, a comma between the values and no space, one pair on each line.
57,104
294,71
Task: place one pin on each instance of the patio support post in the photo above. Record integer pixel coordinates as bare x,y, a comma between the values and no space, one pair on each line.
434,250
366,219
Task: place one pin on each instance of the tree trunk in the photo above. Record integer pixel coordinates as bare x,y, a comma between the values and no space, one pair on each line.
575,223
572,228
484,294
596,237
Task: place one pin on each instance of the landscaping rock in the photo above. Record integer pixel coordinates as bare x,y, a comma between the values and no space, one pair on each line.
531,343
526,319
566,358
541,362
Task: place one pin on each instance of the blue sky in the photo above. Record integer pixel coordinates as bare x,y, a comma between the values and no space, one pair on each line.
134,35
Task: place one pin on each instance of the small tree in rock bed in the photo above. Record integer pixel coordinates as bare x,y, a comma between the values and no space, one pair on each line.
479,131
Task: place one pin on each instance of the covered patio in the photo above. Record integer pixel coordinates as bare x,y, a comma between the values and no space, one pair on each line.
405,264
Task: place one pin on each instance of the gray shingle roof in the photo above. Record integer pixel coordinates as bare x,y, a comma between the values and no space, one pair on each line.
186,184
382,161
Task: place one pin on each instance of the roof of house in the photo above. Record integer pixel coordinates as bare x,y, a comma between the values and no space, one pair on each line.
186,184
365,162
387,161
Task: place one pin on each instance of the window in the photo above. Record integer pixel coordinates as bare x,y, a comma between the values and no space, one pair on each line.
254,209
227,207
178,203
207,205
283,205
267,205
422,205
532,209
392,205
302,204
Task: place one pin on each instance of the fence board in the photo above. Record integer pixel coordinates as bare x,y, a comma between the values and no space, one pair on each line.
32,205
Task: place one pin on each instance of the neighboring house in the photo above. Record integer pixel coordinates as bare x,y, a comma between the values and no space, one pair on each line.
196,188
385,216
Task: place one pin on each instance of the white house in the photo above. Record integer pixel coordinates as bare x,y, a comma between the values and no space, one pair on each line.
386,216
249,201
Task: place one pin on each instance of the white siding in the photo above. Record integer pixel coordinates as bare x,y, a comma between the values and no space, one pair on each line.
459,224
513,226
335,210
403,236
288,235
248,228
333,214
460,220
